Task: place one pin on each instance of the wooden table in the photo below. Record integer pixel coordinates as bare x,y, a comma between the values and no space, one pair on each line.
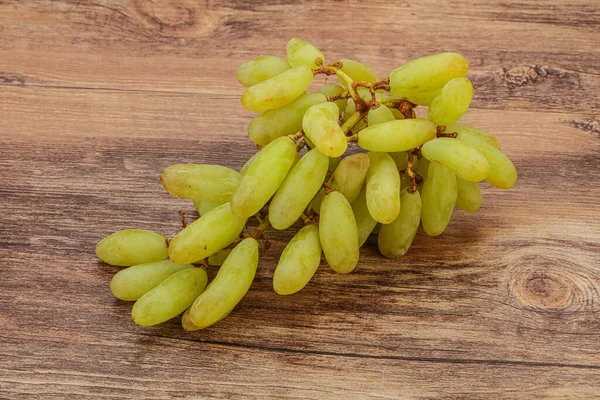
98,96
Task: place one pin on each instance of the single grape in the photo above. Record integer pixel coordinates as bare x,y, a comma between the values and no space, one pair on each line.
438,198
473,136
262,179
132,283
422,167
202,207
461,159
300,52
219,257
452,103
364,221
320,124
260,69
131,247
170,298
282,121
207,235
298,262
357,71
229,286
338,233
397,114
186,322
400,158
424,98
248,163
383,188
331,89
379,115
279,90
399,135
212,183
395,238
469,195
503,174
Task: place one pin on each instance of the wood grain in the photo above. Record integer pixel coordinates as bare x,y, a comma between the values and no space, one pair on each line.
97,97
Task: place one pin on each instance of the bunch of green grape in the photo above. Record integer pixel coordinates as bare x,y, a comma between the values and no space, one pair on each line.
402,172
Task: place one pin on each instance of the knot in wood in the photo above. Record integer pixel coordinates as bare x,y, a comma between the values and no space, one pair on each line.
543,289
176,18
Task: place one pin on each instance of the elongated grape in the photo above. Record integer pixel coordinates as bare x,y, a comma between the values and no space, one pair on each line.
424,98
461,159
469,195
279,90
396,112
334,162
248,163
229,286
320,124
473,136
379,115
219,257
400,158
357,71
503,174
347,179
338,233
383,188
399,135
422,166
427,73
262,179
300,52
260,69
395,238
331,89
212,183
364,221
210,233
170,298
452,103
298,189
298,262
438,198
282,121
132,283
131,247
187,324
202,207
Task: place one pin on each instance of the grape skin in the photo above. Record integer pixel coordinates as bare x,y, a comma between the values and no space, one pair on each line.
131,247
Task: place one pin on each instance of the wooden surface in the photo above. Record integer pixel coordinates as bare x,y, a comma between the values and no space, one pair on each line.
98,96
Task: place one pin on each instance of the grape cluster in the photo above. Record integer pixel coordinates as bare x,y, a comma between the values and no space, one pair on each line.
414,172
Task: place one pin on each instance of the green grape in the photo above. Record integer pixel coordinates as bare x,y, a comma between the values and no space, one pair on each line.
213,183
438,196
338,233
260,69
452,103
383,188
348,179
132,283
131,247
331,89
320,124
282,121
278,91
248,163
350,111
298,189
202,207
219,257
469,195
364,221
427,73
333,163
461,159
399,135
503,174
423,98
422,167
473,136
300,52
187,324
207,235
263,177
170,298
229,286
400,158
379,115
298,262
397,114
395,239
359,72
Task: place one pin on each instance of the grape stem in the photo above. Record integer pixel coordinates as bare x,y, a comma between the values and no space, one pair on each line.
182,216
264,225
412,174
328,189
353,120
441,133
297,135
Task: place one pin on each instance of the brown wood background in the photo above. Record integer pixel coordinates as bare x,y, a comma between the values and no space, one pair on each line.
98,96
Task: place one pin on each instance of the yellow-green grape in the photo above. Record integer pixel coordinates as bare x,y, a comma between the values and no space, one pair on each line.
279,90
469,195
395,239
300,52
170,298
379,115
427,73
350,111
472,136
202,207
399,135
205,236
229,286
400,158
383,188
331,89
282,121
298,262
348,179
422,165
260,69
248,163
213,183
452,103
463,160
333,163
187,324
262,179
359,72
423,98
364,221
298,189
397,114
131,247
438,196
320,124
338,233
219,257
132,283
